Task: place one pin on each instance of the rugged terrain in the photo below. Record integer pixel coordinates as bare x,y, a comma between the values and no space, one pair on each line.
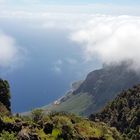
99,87
53,126
123,113
119,120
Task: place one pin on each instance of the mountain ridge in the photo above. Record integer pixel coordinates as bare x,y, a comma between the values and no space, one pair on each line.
99,87
123,113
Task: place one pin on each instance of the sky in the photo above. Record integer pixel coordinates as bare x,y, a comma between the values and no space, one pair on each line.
34,7
45,45
14,2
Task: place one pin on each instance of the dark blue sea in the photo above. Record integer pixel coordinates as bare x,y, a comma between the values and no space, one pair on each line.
52,62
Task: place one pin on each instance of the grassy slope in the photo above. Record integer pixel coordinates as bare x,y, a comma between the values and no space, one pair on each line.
75,104
102,86
65,127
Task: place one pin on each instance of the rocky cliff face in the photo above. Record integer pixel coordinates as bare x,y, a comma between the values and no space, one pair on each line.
105,84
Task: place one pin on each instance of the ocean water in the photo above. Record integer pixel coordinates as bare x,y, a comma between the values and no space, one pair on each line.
52,62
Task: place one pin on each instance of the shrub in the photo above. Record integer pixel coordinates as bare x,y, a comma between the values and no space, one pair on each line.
8,119
7,136
3,110
37,115
5,94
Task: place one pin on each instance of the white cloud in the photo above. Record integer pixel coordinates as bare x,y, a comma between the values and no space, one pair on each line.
59,62
2,1
61,16
57,66
113,39
57,69
71,61
31,10
10,53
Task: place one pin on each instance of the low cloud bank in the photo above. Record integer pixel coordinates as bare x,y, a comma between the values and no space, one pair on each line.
114,39
10,53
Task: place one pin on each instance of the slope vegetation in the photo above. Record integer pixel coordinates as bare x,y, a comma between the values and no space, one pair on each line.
4,97
58,126
100,87
54,126
123,113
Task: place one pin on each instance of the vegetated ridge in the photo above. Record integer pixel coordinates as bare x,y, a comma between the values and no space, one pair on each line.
123,113
53,126
99,87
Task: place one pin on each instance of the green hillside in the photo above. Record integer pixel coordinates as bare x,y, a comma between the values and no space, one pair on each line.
54,126
99,87
59,126
74,104
123,113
